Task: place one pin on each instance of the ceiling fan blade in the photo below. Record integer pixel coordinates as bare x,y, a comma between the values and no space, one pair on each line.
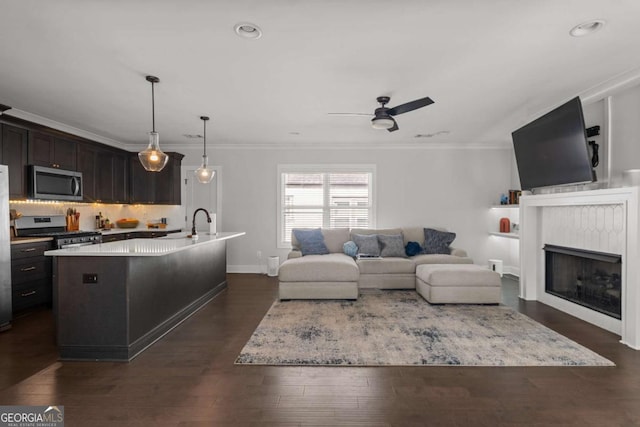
350,114
409,106
394,128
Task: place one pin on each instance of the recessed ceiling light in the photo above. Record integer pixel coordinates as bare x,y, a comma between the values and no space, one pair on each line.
248,31
587,28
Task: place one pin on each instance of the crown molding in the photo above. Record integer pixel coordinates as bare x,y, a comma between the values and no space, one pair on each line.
611,86
501,145
65,128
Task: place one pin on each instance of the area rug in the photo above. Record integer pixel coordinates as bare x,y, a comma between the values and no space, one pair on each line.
399,328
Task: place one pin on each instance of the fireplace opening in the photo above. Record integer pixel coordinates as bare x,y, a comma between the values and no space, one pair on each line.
591,279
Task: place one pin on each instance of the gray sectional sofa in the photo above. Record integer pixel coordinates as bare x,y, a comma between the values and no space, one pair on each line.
339,276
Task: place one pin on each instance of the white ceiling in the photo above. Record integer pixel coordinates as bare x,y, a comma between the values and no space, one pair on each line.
490,66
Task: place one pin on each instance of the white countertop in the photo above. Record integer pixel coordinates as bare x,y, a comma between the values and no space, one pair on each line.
145,247
137,230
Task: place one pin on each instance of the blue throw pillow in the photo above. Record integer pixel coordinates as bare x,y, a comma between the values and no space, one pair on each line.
350,248
413,249
437,242
311,242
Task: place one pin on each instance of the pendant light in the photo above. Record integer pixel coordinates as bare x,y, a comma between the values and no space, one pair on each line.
204,173
153,159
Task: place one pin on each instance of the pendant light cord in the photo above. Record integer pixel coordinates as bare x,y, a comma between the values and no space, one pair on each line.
205,138
153,108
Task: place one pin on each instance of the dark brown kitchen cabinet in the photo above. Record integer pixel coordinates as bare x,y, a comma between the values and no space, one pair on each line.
161,188
14,142
104,173
52,151
142,183
30,275
168,183
111,179
86,162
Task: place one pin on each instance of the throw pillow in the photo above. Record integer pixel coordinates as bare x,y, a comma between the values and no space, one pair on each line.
413,249
391,245
311,242
350,248
367,244
437,242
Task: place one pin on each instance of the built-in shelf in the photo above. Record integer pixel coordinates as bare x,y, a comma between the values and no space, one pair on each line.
505,206
507,235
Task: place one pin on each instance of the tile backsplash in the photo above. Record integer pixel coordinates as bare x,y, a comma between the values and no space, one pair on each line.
144,213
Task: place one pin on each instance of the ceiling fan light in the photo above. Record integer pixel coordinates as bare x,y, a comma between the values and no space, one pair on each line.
382,122
152,158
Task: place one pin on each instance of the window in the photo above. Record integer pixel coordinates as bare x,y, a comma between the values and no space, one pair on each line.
324,196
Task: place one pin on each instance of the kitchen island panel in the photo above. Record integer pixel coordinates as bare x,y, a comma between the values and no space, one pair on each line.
135,301
172,283
91,317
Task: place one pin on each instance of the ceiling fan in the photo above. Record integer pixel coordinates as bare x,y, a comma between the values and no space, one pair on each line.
383,116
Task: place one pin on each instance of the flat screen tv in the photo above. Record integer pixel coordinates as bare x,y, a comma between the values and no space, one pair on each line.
553,149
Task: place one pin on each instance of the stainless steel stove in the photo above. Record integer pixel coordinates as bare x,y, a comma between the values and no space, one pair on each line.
55,226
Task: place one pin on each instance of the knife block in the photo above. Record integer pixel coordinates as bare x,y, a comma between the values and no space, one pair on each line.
73,223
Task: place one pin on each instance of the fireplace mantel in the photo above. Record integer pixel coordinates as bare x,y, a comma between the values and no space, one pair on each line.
602,220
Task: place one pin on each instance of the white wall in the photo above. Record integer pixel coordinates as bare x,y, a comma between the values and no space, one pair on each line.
451,188
625,132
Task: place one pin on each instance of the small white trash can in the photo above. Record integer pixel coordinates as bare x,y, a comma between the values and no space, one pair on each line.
273,264
496,265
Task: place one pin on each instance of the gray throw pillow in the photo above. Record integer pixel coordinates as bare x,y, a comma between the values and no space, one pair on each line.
311,242
391,245
437,242
367,244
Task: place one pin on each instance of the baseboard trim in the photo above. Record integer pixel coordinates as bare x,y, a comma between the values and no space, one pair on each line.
252,269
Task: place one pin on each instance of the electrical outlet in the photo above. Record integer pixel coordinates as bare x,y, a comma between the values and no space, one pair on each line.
259,254
89,278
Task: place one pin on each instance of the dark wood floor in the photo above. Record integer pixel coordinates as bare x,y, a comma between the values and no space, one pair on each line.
188,379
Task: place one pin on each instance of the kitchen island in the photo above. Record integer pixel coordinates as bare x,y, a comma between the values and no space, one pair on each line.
113,300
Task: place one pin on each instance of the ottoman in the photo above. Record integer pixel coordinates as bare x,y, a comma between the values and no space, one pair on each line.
331,276
458,284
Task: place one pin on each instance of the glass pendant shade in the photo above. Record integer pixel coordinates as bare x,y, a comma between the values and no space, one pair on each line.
204,173
152,158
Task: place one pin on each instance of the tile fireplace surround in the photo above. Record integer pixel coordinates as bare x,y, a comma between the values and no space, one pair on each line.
597,220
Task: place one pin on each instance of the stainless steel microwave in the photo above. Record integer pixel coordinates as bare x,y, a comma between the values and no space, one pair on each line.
54,184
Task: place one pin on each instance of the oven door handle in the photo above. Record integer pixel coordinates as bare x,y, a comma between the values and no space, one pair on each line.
75,245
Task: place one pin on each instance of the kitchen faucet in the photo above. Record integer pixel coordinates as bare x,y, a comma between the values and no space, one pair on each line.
194,233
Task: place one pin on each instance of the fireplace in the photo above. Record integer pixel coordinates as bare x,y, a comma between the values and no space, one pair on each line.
588,278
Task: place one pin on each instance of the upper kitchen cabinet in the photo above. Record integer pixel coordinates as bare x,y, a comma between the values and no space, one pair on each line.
14,143
86,163
141,183
111,176
168,188
52,151
104,172
161,188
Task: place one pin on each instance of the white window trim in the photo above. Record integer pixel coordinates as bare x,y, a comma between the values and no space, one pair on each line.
322,168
